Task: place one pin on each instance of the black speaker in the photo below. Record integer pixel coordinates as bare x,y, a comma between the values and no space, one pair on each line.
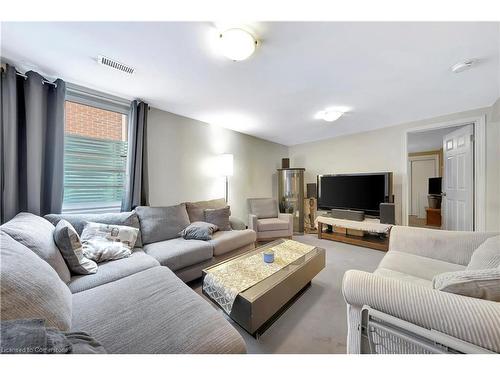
347,214
311,191
387,213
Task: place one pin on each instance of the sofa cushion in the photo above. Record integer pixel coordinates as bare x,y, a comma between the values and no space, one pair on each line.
129,219
219,217
487,255
31,288
113,270
263,208
178,253
226,241
162,223
417,266
264,225
153,311
71,248
195,209
404,277
483,284
37,234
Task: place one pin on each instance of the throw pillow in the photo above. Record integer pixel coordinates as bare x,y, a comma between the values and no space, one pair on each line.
71,248
219,217
199,230
483,284
487,255
162,223
30,287
103,242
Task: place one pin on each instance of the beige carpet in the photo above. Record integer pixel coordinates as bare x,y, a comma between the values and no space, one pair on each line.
316,322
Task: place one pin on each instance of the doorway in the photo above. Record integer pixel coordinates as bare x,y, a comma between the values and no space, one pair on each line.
445,176
422,166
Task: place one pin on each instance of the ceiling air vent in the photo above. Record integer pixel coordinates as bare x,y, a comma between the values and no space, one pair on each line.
103,60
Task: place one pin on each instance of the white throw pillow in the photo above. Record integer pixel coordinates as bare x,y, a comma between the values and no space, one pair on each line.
487,255
103,242
483,284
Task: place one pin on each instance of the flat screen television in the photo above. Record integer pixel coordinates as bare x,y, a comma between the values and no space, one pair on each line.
435,186
362,192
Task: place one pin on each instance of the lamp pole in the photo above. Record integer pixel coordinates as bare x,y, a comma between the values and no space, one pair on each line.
227,189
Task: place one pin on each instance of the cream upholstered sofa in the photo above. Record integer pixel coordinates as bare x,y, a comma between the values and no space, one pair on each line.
266,221
401,290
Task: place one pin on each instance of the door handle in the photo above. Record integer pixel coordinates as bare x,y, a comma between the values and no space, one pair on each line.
443,194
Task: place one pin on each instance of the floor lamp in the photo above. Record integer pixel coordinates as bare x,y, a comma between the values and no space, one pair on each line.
226,169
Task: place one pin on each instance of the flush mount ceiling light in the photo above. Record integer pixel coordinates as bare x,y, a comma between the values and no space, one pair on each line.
237,44
330,114
462,65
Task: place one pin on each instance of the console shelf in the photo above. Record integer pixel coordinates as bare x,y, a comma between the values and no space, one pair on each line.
365,240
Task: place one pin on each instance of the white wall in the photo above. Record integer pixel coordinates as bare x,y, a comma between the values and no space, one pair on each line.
382,150
182,154
493,168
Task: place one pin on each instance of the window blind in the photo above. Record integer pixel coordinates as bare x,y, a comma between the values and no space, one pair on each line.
94,174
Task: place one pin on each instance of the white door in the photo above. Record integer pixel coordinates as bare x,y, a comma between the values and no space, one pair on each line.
457,204
421,169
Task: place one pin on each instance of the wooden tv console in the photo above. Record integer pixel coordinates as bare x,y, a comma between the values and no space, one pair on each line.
374,236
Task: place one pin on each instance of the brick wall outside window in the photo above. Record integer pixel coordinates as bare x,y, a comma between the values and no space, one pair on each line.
95,122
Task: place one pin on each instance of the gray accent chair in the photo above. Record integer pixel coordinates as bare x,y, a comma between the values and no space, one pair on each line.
265,219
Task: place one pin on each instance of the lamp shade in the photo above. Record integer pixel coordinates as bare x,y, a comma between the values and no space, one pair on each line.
226,164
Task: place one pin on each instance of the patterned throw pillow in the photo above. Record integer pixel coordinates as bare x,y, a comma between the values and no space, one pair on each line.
219,217
199,230
71,248
103,242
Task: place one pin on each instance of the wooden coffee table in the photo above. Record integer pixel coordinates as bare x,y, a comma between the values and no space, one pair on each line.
257,307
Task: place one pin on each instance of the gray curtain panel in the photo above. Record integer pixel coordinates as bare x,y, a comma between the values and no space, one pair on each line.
32,144
136,188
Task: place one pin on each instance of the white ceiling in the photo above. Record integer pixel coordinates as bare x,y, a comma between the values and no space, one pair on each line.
388,73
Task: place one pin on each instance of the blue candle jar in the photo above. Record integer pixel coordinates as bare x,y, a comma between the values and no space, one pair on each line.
268,256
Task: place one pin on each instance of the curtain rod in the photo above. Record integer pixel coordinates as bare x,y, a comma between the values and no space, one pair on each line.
44,80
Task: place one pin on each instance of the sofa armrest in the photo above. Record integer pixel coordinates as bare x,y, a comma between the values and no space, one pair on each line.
473,320
252,222
448,246
289,218
236,224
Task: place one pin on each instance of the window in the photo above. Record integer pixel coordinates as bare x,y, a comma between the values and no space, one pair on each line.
95,155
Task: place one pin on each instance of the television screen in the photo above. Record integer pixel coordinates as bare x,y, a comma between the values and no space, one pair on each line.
435,185
363,192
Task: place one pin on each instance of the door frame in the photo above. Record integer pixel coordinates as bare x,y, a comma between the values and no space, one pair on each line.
433,155
479,184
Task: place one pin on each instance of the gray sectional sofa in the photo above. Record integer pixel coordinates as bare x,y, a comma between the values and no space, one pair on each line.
138,304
